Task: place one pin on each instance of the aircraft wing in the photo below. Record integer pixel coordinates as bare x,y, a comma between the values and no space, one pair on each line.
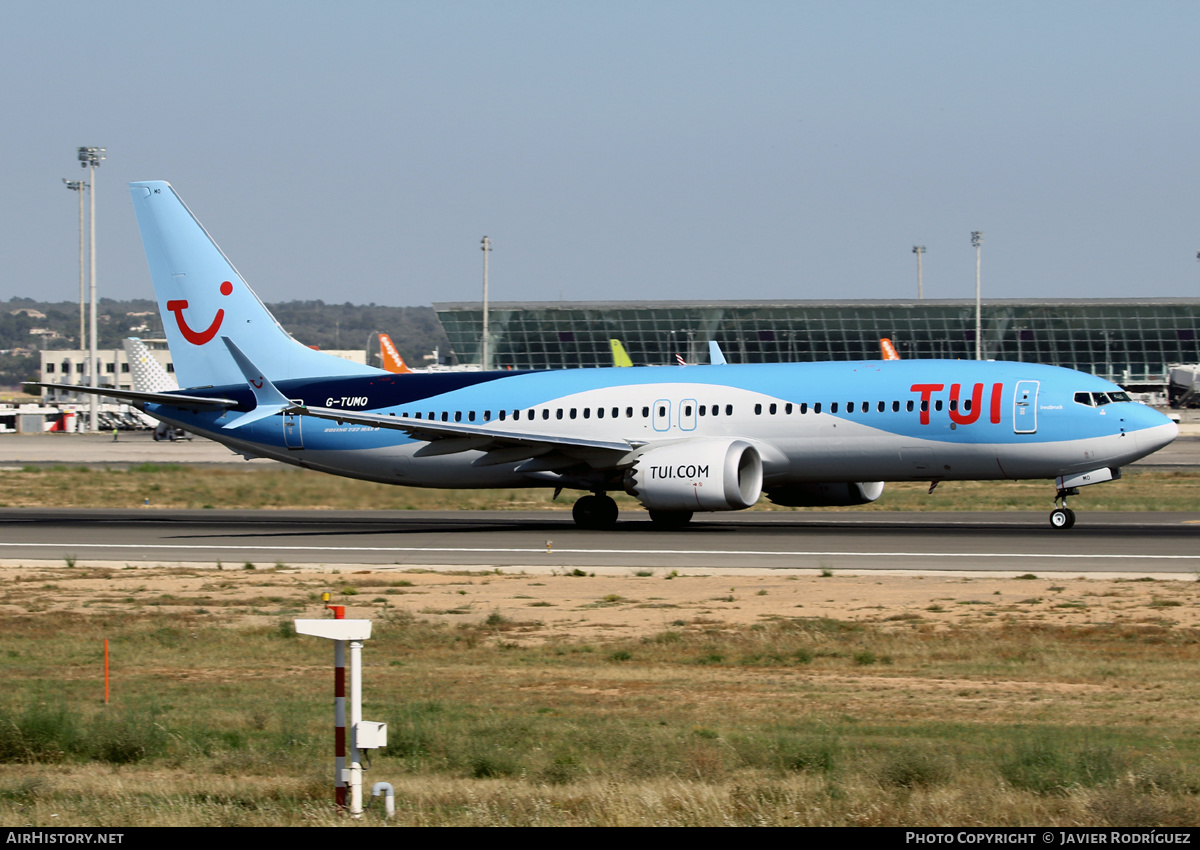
173,399
502,446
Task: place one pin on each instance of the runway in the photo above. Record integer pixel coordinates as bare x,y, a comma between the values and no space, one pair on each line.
1101,543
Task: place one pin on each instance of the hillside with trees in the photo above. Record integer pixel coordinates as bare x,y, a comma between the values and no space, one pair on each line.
28,326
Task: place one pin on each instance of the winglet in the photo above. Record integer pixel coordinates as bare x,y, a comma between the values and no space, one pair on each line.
268,399
620,358
716,357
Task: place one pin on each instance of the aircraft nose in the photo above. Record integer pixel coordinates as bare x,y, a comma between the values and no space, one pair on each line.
1154,430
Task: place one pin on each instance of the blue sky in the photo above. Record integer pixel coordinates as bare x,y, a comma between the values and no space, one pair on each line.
359,151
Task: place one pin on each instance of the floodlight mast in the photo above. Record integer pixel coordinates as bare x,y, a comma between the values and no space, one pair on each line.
91,158
977,241
486,247
919,250
79,186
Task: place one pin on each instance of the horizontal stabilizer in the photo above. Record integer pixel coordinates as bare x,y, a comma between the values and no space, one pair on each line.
173,399
269,401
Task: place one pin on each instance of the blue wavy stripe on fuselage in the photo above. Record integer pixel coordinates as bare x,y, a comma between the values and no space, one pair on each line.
810,383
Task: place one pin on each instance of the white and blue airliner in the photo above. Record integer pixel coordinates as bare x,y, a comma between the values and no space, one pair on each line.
679,439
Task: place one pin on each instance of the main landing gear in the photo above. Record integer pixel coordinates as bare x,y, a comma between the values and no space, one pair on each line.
596,513
1063,517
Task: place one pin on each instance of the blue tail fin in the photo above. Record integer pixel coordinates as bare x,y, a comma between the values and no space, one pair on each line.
202,298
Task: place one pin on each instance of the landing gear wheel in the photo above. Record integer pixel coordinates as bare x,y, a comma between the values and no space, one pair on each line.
670,519
1062,518
597,513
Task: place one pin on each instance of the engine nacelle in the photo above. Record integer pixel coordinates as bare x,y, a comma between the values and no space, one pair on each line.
697,475
826,495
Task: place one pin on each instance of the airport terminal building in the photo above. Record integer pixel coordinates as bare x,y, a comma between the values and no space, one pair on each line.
1129,341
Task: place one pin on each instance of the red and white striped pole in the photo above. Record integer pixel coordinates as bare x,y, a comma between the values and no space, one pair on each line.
339,713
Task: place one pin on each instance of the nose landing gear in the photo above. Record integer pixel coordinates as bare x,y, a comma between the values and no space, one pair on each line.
1063,517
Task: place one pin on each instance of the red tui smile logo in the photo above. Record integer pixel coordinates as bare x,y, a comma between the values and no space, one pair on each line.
198,337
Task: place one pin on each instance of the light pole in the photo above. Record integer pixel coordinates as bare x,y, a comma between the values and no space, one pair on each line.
919,250
977,241
486,247
91,158
79,186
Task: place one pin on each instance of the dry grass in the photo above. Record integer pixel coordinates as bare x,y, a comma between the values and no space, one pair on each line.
281,487
859,708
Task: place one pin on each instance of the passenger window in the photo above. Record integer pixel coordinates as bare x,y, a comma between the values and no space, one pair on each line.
909,407
702,409
849,407
587,413
729,410
458,416
967,405
599,412
833,407
546,413
954,404
758,410
645,413
772,408
573,412
662,411
924,405
817,407
895,407
558,413
803,408
502,413
937,405
629,413
445,416
787,408
687,410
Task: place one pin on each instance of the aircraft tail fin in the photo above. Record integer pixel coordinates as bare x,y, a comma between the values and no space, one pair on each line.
389,357
148,375
201,296
888,350
716,357
620,358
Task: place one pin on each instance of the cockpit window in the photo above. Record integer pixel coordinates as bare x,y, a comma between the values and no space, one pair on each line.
1100,399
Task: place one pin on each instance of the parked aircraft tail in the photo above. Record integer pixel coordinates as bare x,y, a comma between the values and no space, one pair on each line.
202,297
888,350
620,358
148,375
389,357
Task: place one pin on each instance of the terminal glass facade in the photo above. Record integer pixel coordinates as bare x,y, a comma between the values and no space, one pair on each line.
1128,341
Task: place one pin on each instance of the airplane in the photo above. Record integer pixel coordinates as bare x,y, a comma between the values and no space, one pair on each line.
682,441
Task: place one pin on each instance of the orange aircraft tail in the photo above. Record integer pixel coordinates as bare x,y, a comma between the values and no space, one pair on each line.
889,351
390,357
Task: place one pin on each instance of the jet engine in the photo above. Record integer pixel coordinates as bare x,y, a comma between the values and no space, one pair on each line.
826,495
697,475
